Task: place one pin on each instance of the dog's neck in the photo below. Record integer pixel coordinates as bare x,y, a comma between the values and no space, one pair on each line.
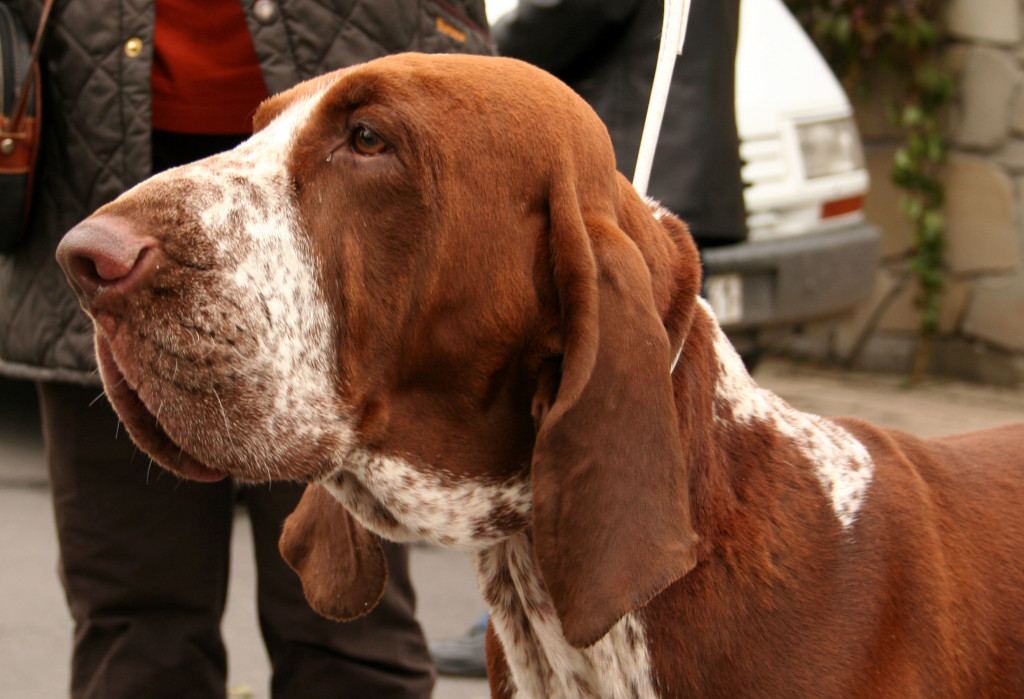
541,662
744,426
731,428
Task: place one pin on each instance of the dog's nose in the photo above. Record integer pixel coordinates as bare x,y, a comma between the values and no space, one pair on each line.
103,252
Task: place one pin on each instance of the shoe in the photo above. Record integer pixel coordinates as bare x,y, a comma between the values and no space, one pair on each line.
462,656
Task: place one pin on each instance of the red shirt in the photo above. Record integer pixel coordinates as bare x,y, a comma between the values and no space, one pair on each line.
206,78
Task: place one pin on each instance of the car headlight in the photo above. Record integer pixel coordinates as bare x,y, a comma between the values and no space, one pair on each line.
829,147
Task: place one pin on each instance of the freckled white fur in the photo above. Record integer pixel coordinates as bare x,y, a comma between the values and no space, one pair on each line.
841,463
541,662
404,503
242,198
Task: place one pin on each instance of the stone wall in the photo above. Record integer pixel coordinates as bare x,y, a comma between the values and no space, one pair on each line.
983,314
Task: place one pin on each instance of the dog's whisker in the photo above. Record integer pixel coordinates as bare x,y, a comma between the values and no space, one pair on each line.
224,415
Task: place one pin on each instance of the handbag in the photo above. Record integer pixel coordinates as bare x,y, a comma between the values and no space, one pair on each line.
20,111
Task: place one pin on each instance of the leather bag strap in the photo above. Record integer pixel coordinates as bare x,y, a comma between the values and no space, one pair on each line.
21,104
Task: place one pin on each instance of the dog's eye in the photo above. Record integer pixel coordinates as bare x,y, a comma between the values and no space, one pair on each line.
366,141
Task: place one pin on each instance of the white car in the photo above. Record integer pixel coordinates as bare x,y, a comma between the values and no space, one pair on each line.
810,253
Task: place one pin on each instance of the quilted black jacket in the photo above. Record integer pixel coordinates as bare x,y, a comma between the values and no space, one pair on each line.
97,103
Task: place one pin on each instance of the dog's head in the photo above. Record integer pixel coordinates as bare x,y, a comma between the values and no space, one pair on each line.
422,287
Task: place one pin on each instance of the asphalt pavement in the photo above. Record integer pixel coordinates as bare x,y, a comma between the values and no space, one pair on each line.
35,630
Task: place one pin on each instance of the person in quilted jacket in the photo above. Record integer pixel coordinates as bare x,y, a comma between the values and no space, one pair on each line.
132,88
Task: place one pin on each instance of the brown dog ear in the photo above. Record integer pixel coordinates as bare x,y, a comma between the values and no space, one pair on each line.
611,508
341,564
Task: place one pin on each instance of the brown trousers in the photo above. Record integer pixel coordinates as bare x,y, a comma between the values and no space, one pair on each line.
144,562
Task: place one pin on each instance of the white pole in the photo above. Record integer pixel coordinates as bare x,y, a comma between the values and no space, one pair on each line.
673,34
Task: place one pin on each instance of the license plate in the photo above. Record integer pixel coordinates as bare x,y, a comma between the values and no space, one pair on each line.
724,292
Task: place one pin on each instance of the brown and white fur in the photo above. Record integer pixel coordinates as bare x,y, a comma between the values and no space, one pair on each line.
422,288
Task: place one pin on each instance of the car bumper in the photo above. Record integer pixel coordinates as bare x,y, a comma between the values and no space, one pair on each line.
792,280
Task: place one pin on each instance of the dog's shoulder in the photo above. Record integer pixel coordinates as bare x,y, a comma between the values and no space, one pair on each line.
961,480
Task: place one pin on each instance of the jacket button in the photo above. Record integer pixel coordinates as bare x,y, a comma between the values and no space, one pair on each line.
265,11
133,47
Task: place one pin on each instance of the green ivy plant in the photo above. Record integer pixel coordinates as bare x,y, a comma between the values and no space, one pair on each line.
860,37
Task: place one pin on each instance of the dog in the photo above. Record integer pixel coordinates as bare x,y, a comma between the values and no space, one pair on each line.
422,288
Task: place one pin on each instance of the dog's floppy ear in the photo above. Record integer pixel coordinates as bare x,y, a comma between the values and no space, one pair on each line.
611,510
341,564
